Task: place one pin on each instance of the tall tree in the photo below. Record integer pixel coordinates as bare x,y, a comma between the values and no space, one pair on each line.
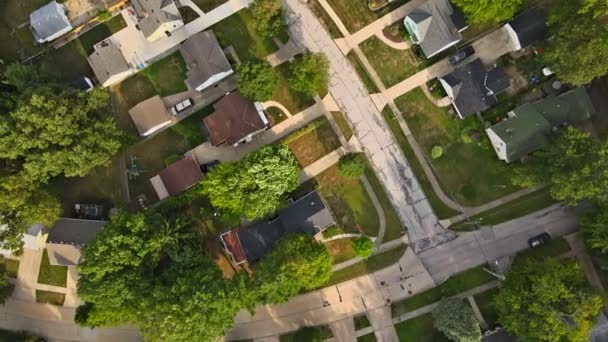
255,186
595,228
352,165
24,76
578,49
547,301
489,11
257,80
573,165
57,131
597,8
269,17
297,263
456,320
363,246
310,74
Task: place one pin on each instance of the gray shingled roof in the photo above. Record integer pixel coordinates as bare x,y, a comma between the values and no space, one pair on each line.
48,20
308,215
152,14
204,58
76,232
107,60
530,26
435,26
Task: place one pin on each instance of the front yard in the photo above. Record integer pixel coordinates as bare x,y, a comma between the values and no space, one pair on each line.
356,15
419,329
312,142
49,297
294,101
340,250
391,65
469,172
50,274
372,264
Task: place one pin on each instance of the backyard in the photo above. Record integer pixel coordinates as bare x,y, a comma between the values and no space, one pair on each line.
391,65
356,15
469,171
17,43
312,142
50,274
374,263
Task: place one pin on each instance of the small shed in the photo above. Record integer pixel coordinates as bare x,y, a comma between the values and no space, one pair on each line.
150,116
49,22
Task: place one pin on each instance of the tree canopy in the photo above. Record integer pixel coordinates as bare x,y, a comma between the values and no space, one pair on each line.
595,229
456,320
257,80
310,74
578,49
269,17
297,263
363,246
574,165
256,185
489,11
547,301
352,165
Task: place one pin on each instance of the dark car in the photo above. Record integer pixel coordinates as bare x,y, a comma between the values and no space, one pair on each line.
210,165
539,240
460,55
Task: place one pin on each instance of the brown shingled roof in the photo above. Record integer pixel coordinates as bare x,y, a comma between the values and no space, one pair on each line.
232,244
234,118
181,175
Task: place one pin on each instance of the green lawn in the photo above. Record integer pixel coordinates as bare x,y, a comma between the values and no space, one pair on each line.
419,329
454,285
340,250
361,322
312,142
520,207
306,334
167,75
238,30
552,249
469,172
367,338
208,5
374,263
356,15
343,125
441,210
17,43
50,274
488,311
294,101
49,297
363,75
162,149
349,202
10,266
393,228
326,21
391,65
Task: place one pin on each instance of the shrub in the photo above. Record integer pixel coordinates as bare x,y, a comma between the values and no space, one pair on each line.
104,15
310,74
257,80
464,136
456,320
352,165
436,152
363,246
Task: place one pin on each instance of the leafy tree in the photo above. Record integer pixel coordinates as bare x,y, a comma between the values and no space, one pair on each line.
56,131
363,246
24,76
488,11
597,8
6,289
352,165
269,17
255,186
573,165
257,80
547,301
456,320
579,47
297,263
310,74
595,228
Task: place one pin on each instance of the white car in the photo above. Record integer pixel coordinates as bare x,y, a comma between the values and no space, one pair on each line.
180,107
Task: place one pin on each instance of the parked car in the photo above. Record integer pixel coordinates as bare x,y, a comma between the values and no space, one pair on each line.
180,107
460,55
210,165
539,240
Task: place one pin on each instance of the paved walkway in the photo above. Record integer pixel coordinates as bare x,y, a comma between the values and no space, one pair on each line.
370,129
285,53
404,45
384,247
383,326
270,104
343,330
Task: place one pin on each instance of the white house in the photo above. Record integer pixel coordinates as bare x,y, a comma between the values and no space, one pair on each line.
49,22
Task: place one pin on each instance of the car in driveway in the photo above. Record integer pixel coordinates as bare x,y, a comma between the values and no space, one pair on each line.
180,107
539,240
460,55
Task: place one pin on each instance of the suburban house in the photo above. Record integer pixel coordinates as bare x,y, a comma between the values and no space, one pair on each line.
528,27
205,60
531,126
150,115
435,26
235,120
49,22
308,215
157,18
67,237
472,87
108,63
177,177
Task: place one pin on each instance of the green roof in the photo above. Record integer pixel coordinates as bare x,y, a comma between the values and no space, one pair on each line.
529,126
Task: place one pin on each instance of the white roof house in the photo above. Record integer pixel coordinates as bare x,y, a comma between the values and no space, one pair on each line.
49,22
157,18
